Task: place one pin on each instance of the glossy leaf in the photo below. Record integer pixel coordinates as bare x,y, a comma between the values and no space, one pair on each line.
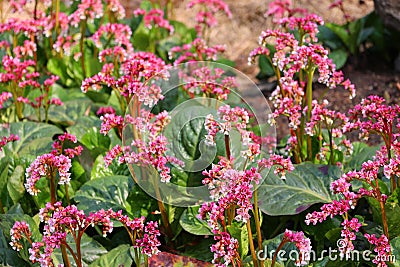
105,193
34,138
308,184
192,224
119,256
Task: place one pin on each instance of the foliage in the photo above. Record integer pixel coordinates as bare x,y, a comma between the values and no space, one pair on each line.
91,142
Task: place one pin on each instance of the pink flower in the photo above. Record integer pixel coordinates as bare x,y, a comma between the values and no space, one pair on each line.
302,243
18,231
206,17
382,248
4,140
155,17
225,250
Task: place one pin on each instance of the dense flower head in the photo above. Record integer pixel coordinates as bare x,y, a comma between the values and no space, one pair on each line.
149,148
198,50
205,18
26,50
115,35
283,165
19,231
225,250
382,248
373,115
17,70
302,243
154,18
60,221
136,70
229,188
306,25
229,118
282,8
45,166
348,236
211,82
87,10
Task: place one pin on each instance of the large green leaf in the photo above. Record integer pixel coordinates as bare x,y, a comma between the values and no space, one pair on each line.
308,184
105,193
186,134
119,256
192,224
70,112
15,185
35,138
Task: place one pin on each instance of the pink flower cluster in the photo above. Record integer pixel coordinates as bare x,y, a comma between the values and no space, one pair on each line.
382,248
283,165
136,70
206,17
4,140
209,82
154,17
229,118
116,35
18,231
302,243
282,8
372,115
61,221
87,10
348,236
149,148
47,165
230,189
198,50
225,250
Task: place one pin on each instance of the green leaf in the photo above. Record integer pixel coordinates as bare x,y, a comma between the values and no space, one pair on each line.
34,138
58,67
70,112
67,94
395,246
266,69
119,256
99,170
15,185
186,133
141,38
105,193
190,223
141,204
339,57
241,234
340,31
308,184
